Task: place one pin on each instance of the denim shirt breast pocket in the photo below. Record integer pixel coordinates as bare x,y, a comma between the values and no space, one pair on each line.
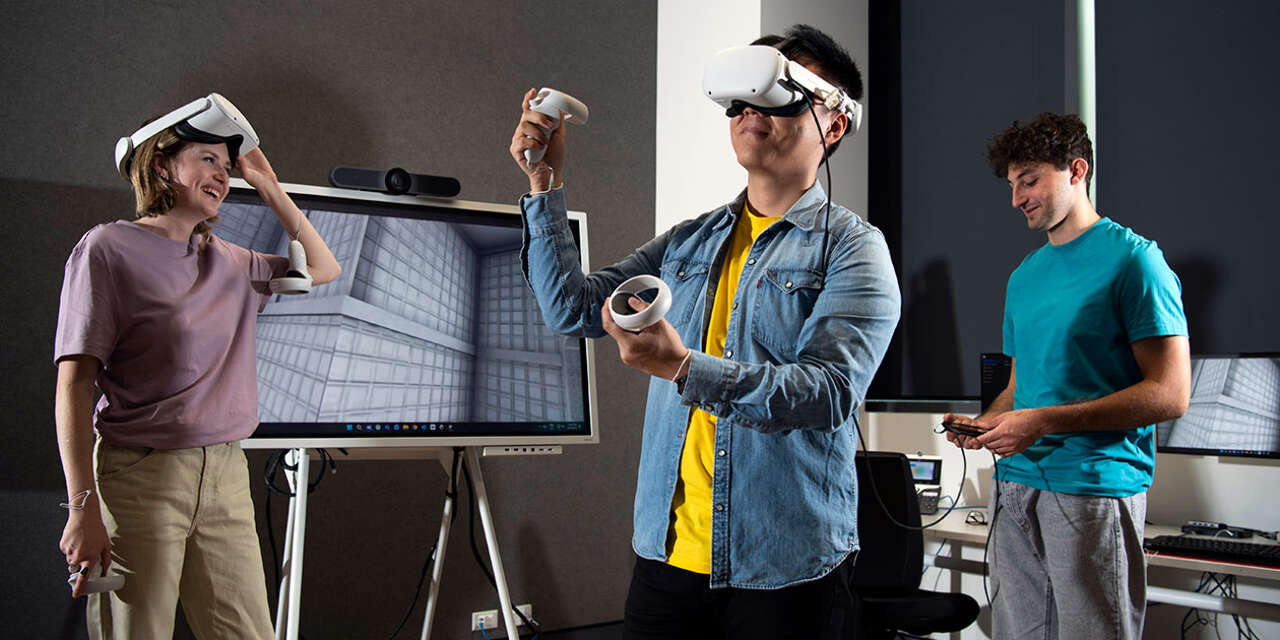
687,279
782,302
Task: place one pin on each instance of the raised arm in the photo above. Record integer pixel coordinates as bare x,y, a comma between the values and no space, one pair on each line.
259,174
547,173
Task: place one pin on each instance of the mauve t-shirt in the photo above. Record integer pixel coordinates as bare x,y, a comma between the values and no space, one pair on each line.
174,326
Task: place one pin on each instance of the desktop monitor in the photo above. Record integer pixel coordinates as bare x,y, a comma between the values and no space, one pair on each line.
430,337
1234,410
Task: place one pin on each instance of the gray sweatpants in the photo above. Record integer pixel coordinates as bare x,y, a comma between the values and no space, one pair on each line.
1068,566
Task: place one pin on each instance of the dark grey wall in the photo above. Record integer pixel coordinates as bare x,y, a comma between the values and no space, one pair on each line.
1186,111
967,72
430,86
1185,97
963,72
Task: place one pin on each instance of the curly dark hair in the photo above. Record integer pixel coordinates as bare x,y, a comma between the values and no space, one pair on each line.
802,41
1049,137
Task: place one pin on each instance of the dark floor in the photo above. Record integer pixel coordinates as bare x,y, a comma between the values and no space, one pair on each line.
603,631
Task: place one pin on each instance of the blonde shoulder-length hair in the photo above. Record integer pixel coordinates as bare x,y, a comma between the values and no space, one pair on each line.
152,192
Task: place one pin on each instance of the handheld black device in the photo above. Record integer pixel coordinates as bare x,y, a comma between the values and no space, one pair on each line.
963,429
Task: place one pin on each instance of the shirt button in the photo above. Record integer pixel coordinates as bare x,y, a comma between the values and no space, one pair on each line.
735,305
729,353
722,453
719,507
751,261
788,284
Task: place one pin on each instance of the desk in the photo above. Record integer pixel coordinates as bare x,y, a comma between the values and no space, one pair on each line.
961,534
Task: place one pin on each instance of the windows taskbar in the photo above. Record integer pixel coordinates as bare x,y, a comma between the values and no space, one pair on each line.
416,429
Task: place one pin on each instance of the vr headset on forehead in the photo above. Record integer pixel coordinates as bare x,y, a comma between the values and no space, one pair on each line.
209,120
760,77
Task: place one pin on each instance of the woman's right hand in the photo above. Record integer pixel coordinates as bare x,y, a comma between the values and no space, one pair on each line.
85,543
548,172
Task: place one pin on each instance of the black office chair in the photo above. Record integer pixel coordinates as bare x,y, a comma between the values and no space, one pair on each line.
886,577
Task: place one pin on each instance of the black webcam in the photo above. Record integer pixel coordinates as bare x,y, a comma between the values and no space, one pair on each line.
395,181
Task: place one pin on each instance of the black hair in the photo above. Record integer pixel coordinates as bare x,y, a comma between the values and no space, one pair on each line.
802,42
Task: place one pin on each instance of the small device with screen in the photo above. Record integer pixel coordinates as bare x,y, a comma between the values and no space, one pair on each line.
926,474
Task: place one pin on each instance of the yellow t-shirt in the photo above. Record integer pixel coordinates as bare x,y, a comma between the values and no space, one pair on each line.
689,539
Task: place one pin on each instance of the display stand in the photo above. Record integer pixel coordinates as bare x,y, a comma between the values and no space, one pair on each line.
290,595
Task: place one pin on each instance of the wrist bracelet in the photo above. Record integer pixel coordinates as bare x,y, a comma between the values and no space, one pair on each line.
549,189
83,496
676,376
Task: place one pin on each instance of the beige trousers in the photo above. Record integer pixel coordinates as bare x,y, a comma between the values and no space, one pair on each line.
181,526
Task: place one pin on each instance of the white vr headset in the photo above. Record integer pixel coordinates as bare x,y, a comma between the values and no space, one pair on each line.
210,120
760,77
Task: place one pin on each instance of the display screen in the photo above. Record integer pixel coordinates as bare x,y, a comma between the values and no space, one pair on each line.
430,332
1234,410
926,471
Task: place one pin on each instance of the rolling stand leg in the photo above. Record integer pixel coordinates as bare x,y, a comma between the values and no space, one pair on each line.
490,537
289,602
442,542
282,591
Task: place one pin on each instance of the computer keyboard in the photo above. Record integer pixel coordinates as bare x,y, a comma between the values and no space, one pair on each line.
1223,549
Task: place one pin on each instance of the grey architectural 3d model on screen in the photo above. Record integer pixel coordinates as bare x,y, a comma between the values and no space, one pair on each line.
1235,404
430,321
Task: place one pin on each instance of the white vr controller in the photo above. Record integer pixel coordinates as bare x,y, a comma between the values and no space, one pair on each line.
297,279
553,103
211,119
760,77
100,583
629,318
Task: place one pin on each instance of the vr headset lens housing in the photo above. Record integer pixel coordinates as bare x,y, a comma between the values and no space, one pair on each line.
760,77
749,76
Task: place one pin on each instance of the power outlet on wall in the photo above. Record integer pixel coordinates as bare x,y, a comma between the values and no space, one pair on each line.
491,620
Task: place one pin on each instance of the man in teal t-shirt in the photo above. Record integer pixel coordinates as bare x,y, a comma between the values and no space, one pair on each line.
1093,321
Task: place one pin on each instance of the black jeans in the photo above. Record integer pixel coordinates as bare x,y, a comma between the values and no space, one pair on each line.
669,603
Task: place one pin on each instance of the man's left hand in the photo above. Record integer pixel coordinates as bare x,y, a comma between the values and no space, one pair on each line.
1013,431
655,350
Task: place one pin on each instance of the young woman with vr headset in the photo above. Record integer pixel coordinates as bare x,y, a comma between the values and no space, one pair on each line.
160,315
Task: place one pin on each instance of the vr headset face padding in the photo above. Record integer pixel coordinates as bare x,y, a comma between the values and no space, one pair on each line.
787,111
210,120
188,133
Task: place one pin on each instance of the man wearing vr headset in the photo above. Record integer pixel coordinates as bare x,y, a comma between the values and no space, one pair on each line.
745,507
1094,323
160,314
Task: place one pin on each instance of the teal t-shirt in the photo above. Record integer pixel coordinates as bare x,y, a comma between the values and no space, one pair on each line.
1071,313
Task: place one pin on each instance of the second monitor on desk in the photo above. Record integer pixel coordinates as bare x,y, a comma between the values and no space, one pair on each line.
926,474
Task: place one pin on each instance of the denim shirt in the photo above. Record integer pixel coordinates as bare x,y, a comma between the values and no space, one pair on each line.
800,352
